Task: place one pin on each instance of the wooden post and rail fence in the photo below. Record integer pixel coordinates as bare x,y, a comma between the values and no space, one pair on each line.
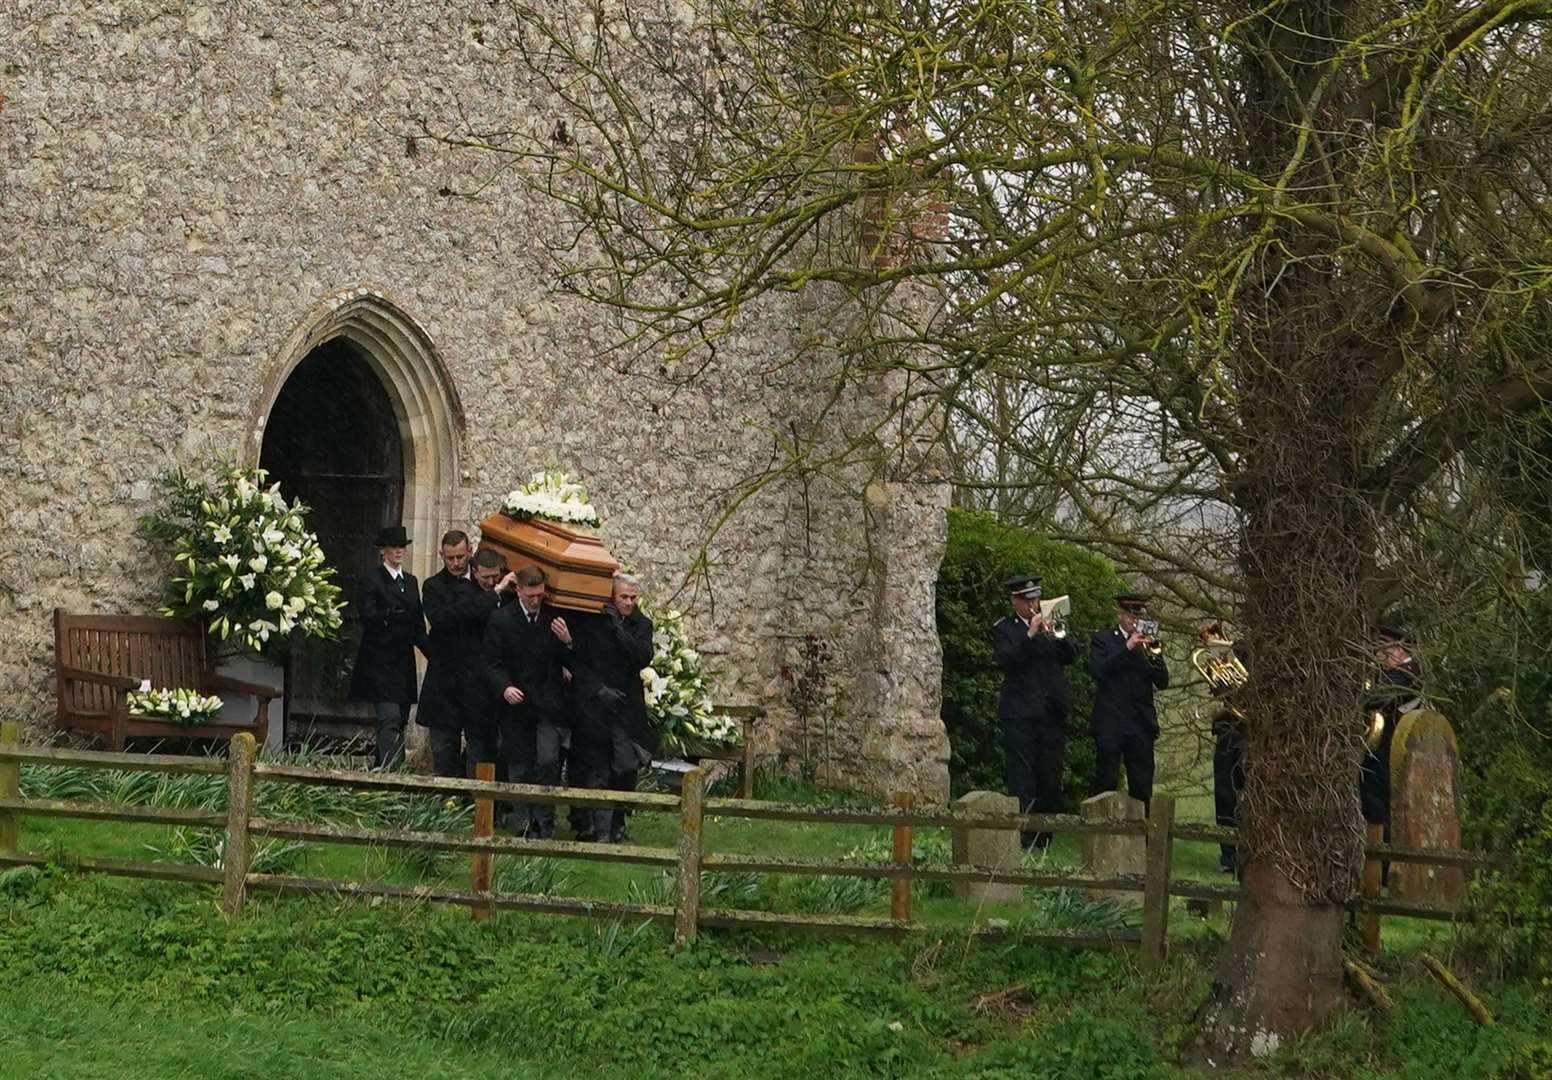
689,858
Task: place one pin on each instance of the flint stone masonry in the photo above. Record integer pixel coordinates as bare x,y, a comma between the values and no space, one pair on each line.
195,195
995,848
1107,854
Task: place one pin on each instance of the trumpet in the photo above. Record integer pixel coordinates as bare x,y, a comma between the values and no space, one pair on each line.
1055,612
1215,661
1149,629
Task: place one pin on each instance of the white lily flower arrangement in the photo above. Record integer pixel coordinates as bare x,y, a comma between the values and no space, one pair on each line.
180,706
678,693
245,563
553,497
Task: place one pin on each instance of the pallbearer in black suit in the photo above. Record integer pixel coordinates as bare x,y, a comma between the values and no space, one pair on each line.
610,737
392,627
524,654
482,731
1034,701
454,699
1127,663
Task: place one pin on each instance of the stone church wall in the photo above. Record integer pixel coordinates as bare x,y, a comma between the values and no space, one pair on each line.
182,187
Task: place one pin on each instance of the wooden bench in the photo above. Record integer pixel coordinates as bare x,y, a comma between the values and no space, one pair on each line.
743,754
97,658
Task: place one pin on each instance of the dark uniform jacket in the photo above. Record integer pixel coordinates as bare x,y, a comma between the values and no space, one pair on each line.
1034,687
391,629
606,670
1395,693
1124,682
455,692
529,657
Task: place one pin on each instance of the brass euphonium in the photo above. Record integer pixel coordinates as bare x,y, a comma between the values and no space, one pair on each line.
1215,661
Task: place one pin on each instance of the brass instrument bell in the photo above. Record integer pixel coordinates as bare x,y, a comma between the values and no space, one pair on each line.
1055,612
1376,733
1149,629
1216,662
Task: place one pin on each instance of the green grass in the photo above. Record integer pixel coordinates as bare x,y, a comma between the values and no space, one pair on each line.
110,978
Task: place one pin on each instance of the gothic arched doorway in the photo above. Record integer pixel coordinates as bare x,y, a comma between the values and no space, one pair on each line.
359,421
333,441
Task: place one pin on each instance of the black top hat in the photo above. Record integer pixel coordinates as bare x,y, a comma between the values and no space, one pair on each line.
391,536
1025,586
1394,634
1136,603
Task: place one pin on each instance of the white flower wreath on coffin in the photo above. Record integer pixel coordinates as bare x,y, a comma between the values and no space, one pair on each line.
553,497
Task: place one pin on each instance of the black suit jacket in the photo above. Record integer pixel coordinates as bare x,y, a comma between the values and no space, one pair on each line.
1034,686
1124,682
1396,692
392,627
529,657
606,676
455,692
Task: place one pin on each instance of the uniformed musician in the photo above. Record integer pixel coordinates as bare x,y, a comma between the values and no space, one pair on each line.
1396,692
1128,666
1034,702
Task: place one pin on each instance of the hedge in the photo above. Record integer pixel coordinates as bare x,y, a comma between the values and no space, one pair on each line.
982,553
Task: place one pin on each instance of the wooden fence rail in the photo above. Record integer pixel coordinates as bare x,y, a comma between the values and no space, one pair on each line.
689,858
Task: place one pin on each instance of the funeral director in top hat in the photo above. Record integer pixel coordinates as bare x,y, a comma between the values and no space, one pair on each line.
1034,702
392,628
1128,666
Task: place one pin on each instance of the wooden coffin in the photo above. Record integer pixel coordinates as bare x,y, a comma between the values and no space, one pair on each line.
580,570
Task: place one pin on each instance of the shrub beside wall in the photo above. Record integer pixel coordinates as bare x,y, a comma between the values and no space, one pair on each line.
982,553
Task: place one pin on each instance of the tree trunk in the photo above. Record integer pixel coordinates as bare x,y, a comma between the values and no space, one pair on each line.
1280,974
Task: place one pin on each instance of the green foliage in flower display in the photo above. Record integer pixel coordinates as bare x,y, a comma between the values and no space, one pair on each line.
982,553
678,691
244,563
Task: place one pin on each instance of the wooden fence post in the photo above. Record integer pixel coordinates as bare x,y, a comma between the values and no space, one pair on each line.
239,808
10,787
691,807
746,763
484,828
1373,872
900,888
1155,896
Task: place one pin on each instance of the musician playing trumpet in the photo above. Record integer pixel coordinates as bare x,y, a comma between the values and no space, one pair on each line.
1032,650
1127,663
1397,691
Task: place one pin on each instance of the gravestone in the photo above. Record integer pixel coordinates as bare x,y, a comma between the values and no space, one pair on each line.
1109,854
995,848
1425,807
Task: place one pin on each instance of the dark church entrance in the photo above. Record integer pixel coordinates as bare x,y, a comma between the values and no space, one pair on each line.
333,441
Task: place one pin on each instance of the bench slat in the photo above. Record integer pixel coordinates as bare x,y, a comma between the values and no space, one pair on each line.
168,653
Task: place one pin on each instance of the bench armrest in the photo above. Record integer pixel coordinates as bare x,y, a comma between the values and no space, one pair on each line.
237,686
118,682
